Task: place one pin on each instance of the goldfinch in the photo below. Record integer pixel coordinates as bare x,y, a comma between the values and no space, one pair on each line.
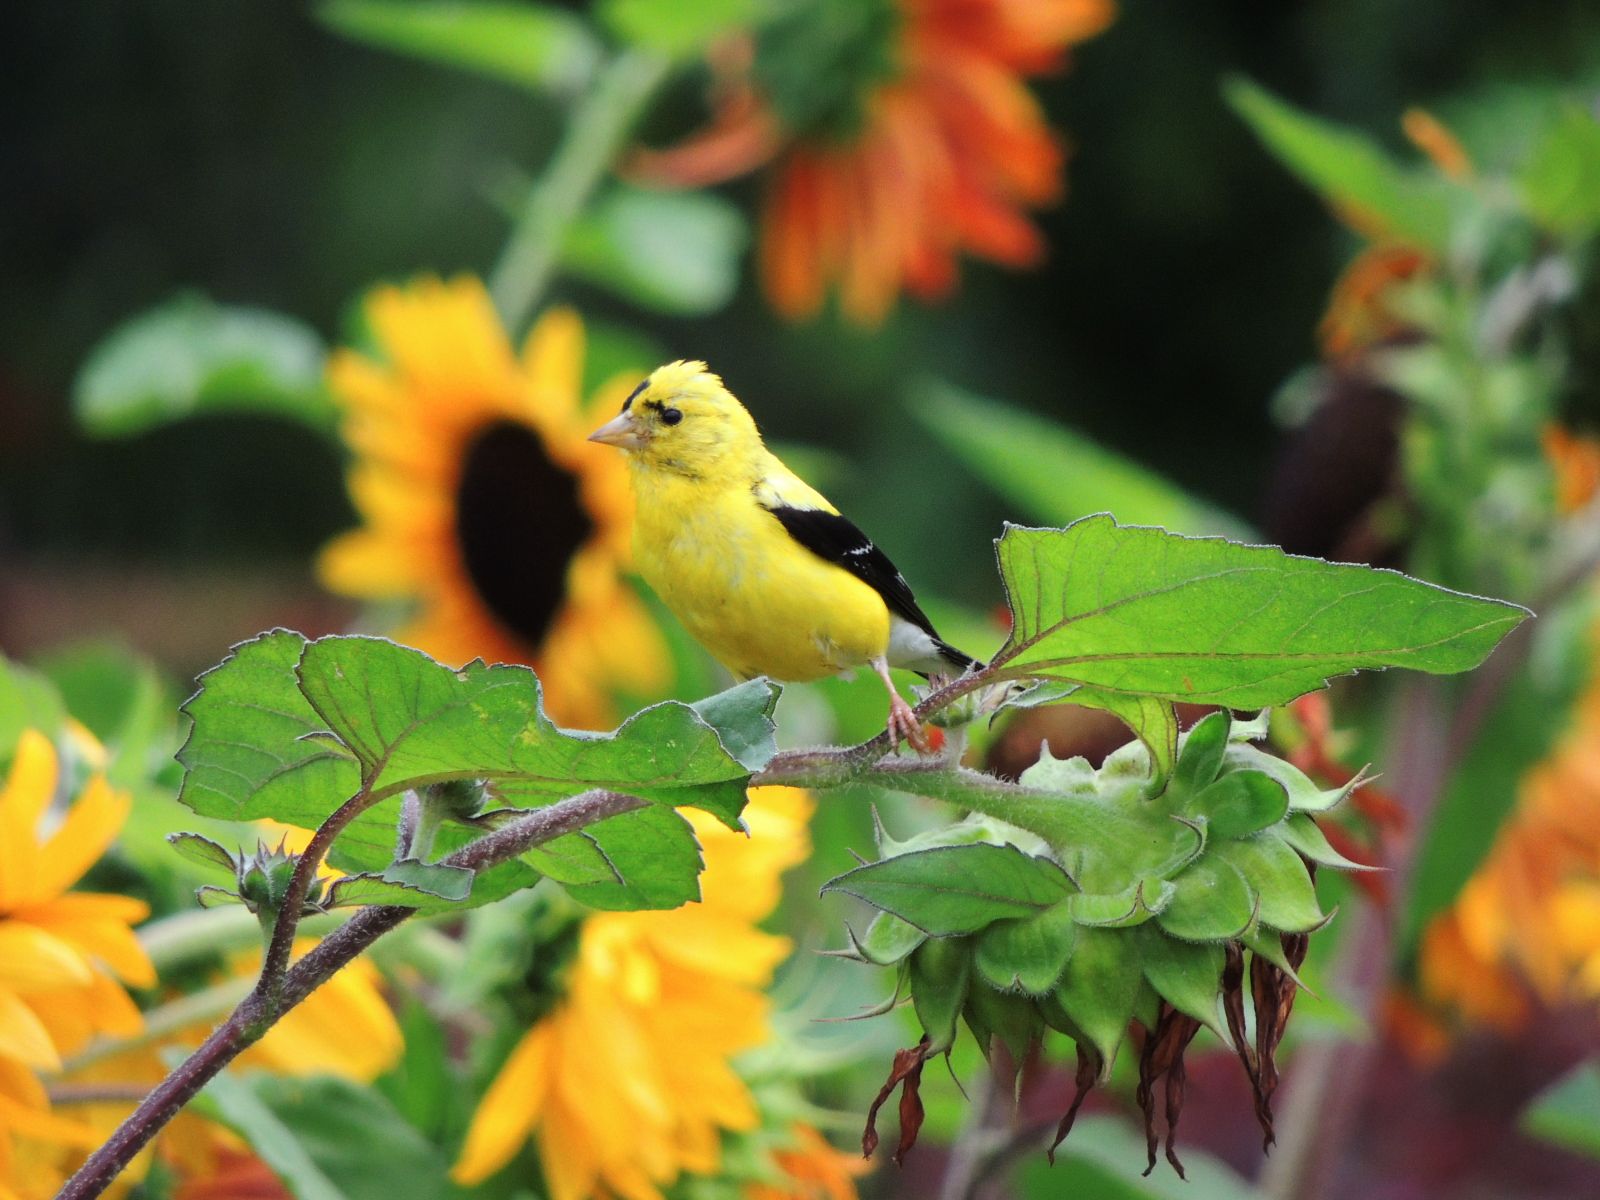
759,567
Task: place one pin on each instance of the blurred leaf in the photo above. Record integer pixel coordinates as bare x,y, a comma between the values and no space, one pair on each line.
1054,474
27,701
673,252
192,355
957,889
1348,169
1560,182
1568,1112
1210,621
673,26
1103,1159
123,700
329,1138
534,46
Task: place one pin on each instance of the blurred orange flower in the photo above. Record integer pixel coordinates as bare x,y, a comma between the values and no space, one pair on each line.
1527,925
483,507
812,1170
901,136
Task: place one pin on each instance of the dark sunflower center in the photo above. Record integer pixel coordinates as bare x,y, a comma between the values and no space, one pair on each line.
518,522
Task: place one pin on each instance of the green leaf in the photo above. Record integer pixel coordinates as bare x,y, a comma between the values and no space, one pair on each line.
953,890
1120,910
672,26
1100,985
1304,795
1348,169
1186,974
331,1139
1154,722
447,883
122,698
1212,901
1241,803
655,852
1210,621
743,718
1053,474
410,720
1279,876
251,752
940,968
203,852
672,252
1028,954
575,858
1560,182
1568,1112
533,46
192,356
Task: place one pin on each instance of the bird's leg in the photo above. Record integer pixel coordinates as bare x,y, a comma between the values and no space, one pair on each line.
903,723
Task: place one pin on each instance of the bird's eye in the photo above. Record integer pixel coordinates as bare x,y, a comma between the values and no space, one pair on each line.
671,416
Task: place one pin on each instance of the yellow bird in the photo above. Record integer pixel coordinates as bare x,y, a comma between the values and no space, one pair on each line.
756,563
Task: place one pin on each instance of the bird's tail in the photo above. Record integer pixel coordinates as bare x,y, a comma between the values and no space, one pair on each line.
959,662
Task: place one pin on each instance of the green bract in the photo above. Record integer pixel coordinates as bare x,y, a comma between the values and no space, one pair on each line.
1078,903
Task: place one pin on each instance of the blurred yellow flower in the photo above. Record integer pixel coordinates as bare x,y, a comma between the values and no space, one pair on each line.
482,503
626,1083
61,953
932,148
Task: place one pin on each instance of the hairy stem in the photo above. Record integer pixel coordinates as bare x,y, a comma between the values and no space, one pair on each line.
595,135
255,1015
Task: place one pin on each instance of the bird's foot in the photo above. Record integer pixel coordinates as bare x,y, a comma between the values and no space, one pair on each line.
904,726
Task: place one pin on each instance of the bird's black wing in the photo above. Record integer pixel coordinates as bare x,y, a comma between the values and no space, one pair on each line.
838,540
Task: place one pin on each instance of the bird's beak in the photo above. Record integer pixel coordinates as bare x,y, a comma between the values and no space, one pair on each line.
622,431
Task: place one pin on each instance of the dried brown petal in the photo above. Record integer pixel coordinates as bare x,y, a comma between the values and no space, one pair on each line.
1163,1055
907,1070
1088,1073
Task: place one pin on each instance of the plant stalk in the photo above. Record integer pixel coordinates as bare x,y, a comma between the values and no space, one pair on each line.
595,136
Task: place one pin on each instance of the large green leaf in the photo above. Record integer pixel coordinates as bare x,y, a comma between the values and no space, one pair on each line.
27,701
1054,474
673,252
957,889
1348,169
410,720
192,355
253,751
531,45
1211,621
656,855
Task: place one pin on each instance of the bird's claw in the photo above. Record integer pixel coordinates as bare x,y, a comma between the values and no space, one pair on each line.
904,726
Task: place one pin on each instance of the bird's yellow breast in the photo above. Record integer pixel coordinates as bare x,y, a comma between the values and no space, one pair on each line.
759,601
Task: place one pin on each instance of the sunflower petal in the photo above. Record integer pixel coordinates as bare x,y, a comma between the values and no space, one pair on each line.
509,1110
32,959
23,1036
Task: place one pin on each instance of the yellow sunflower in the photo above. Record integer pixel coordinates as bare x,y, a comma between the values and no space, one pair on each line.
482,503
627,1082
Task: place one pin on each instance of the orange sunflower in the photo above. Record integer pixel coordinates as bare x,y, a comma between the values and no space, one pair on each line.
483,507
901,136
